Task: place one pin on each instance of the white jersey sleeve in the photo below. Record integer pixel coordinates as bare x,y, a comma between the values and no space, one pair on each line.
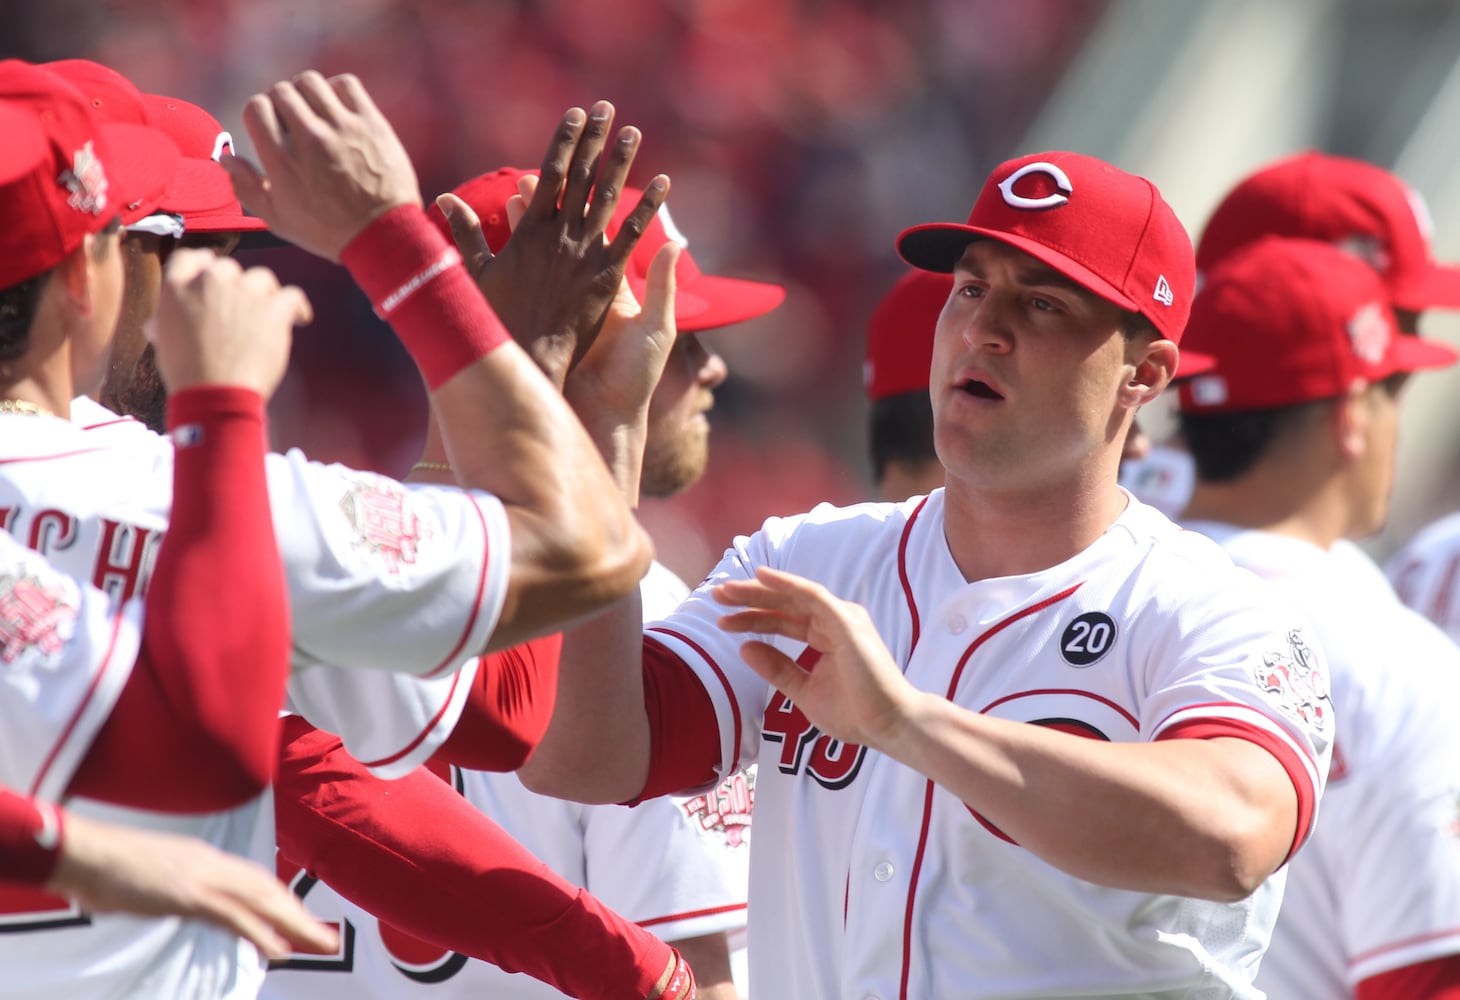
1426,573
390,722
383,575
66,651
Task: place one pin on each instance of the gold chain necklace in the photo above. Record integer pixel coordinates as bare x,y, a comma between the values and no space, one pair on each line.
21,406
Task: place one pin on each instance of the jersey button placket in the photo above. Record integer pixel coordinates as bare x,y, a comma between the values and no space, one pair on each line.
883,871
957,623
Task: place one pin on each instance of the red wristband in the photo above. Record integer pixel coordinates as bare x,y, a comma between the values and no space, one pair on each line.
31,833
415,280
682,979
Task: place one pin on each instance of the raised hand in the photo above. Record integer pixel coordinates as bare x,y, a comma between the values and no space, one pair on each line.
117,869
217,324
855,692
331,162
554,280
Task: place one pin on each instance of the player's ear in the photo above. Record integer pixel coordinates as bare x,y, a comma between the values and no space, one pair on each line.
1150,365
72,277
1350,418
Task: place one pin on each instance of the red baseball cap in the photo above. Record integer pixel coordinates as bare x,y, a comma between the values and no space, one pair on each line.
114,100
900,335
1294,321
1357,206
203,193
1107,230
701,301
60,175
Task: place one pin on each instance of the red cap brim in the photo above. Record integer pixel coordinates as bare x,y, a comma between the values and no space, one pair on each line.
937,246
1415,354
712,301
1436,288
1193,363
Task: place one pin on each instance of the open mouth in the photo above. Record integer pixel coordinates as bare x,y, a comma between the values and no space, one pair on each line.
980,390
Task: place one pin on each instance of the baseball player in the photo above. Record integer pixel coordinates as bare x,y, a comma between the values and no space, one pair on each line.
1293,436
332,813
406,548
1013,737
677,865
174,730
1371,213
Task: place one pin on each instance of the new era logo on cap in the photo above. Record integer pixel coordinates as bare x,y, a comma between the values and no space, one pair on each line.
1107,230
1163,293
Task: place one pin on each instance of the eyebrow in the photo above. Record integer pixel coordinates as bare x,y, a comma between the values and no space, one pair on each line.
1031,272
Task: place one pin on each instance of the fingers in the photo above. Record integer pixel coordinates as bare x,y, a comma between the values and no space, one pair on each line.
261,120
756,622
320,96
638,220
276,910
353,95
583,167
294,112
249,185
517,204
611,179
466,231
776,668
554,170
290,305
659,287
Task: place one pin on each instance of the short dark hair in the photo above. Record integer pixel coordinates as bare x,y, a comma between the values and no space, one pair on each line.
901,429
18,302
1225,446
17,313
1135,326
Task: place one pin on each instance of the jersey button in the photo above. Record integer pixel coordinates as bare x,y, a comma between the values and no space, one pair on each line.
883,871
957,624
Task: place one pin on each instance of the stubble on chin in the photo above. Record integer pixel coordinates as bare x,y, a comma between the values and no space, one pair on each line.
143,396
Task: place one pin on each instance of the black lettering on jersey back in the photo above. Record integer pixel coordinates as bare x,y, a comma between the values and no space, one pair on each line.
1087,638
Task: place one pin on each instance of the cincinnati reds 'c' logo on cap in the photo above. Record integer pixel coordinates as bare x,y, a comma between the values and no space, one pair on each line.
1056,198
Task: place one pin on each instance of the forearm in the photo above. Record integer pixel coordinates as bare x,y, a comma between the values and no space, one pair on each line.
505,429
1204,818
194,728
596,748
420,857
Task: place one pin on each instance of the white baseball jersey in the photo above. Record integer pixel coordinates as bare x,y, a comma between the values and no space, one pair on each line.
1426,573
403,580
1378,885
679,866
879,883
380,576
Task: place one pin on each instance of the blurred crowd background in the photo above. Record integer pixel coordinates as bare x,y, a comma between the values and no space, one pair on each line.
801,137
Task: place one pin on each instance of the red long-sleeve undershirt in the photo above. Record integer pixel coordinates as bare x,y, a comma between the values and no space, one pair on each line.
420,857
508,709
195,728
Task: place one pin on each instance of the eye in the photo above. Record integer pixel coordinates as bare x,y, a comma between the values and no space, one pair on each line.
1042,304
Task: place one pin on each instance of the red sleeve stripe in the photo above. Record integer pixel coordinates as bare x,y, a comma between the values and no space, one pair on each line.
446,705
733,761
39,788
693,914
1282,751
50,458
455,656
1411,942
1247,714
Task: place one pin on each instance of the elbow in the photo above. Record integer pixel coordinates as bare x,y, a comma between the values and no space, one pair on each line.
1242,859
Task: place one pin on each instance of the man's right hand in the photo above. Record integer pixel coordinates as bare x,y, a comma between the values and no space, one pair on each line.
331,162
553,282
